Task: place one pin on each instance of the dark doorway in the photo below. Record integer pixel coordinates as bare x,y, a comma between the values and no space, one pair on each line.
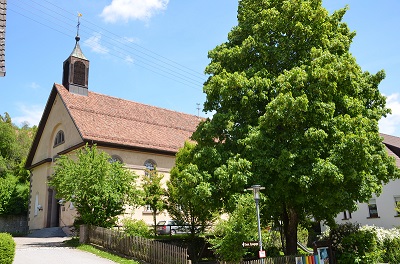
53,212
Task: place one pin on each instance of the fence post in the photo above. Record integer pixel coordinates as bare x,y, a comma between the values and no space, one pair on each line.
83,234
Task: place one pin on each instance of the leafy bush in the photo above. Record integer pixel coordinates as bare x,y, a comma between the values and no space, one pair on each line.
360,247
7,248
367,244
337,234
242,226
389,241
135,227
230,234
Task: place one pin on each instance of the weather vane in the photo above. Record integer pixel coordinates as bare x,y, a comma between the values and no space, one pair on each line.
79,23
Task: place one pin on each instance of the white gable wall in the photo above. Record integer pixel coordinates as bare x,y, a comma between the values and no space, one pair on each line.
58,119
387,215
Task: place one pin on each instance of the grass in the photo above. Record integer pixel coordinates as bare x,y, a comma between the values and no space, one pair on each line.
98,252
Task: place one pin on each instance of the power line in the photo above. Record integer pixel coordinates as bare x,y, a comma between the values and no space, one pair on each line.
116,46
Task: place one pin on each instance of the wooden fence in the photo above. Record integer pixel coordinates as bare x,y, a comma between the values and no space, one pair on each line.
147,250
274,260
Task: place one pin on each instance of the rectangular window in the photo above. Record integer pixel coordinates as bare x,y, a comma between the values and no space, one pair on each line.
36,209
346,215
397,205
373,209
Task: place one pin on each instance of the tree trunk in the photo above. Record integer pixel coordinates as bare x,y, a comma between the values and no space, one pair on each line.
290,223
155,222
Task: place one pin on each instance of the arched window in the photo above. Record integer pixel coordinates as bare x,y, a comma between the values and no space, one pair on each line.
115,158
59,138
150,165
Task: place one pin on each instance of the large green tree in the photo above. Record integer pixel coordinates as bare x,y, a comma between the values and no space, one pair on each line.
290,98
98,188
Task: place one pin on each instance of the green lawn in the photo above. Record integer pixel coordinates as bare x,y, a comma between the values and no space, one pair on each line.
88,248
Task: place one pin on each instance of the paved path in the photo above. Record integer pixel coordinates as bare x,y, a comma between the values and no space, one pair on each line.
46,247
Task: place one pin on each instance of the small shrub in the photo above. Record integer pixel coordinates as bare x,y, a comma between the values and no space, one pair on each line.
338,233
135,227
360,247
392,250
7,248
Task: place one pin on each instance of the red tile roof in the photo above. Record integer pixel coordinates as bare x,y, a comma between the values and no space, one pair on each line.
392,144
391,140
107,119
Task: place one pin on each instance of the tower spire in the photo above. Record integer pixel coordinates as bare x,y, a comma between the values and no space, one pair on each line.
76,68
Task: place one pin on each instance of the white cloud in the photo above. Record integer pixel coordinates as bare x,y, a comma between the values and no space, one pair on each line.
34,86
129,59
129,40
391,123
126,10
30,114
94,43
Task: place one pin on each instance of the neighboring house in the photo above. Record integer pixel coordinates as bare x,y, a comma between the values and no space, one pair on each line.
138,135
380,211
3,9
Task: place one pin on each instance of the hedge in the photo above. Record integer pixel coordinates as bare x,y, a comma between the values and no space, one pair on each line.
7,248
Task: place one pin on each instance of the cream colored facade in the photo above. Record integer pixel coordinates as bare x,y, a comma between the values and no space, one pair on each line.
44,209
134,133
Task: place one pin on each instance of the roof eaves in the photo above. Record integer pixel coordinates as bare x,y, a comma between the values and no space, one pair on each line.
41,127
129,147
3,9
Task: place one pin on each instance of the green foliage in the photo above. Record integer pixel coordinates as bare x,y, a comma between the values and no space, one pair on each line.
388,241
292,109
14,178
98,188
302,235
190,196
14,196
135,227
228,235
391,248
7,248
367,244
337,234
153,193
360,247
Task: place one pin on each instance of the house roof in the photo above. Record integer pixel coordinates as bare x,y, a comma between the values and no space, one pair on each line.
116,122
392,144
3,8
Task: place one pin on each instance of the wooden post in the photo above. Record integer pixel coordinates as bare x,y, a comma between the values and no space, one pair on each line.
83,234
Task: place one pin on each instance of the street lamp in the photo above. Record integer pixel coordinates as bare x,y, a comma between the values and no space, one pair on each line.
256,191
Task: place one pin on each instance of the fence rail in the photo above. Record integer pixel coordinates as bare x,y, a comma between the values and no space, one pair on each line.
148,250
274,260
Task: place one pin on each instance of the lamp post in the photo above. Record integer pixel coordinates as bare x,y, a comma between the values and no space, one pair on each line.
256,191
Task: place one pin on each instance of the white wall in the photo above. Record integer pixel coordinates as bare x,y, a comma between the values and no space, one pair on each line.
387,215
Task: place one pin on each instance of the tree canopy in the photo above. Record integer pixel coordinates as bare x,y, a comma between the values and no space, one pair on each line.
99,188
291,102
14,178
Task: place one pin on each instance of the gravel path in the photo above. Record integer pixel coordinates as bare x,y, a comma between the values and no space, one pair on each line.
45,248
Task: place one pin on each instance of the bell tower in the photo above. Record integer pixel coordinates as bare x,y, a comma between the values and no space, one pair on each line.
76,69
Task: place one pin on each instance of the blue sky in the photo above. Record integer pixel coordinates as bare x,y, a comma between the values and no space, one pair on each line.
155,51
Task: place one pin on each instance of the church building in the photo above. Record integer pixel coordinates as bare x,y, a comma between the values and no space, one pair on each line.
138,135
